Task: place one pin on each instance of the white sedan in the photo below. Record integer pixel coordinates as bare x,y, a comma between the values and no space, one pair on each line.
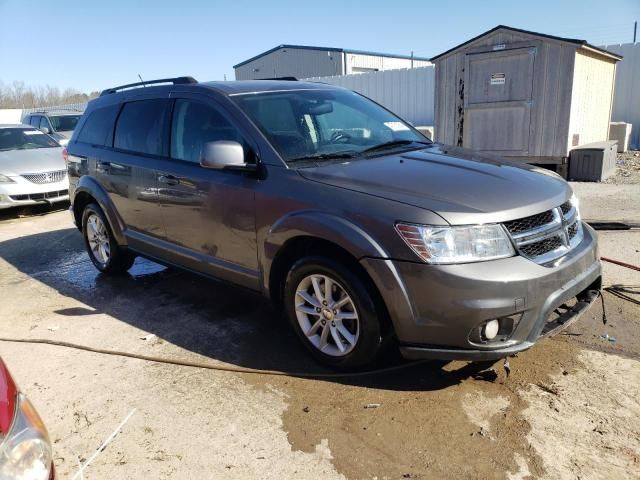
32,169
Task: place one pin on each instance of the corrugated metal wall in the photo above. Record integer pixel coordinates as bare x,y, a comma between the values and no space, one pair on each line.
626,100
292,62
372,62
408,93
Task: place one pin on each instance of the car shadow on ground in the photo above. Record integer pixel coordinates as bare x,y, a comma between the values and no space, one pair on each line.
32,210
208,317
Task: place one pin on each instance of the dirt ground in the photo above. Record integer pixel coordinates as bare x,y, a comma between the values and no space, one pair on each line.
570,407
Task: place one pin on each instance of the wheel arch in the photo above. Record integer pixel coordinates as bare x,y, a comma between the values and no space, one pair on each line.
314,233
88,191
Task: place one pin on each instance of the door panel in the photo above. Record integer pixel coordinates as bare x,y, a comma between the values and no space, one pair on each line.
207,212
129,171
498,100
130,181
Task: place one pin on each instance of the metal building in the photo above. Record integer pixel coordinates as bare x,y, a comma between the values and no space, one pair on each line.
304,62
524,94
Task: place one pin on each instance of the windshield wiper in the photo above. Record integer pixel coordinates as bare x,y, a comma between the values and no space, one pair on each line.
325,156
393,143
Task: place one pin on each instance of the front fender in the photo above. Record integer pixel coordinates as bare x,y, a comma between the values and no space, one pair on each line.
90,186
312,223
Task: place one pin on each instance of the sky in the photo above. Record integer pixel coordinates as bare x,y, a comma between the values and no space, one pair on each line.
94,44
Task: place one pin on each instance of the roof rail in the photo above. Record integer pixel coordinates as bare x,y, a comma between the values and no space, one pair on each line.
174,81
288,79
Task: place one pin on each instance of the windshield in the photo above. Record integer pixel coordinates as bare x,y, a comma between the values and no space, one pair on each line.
64,123
325,124
24,139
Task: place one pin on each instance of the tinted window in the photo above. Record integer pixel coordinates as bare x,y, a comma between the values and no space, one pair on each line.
24,139
44,123
35,121
141,127
193,125
64,123
98,129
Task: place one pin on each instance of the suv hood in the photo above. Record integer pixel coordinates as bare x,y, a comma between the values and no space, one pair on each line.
34,160
462,186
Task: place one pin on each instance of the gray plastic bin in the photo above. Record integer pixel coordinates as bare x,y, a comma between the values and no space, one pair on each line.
593,162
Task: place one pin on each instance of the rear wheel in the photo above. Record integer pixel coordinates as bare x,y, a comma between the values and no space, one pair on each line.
333,313
104,251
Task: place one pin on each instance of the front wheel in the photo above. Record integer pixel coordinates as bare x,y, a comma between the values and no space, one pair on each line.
103,250
333,313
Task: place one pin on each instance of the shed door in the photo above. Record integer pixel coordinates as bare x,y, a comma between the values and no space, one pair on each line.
497,100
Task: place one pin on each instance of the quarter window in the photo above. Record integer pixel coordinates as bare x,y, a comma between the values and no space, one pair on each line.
44,123
98,128
142,127
195,124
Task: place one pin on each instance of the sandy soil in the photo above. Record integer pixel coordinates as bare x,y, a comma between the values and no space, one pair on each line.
569,408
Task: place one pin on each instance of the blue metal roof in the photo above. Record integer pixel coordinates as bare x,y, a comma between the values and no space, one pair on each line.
330,49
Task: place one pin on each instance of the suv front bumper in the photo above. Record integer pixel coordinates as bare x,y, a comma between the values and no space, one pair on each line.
434,308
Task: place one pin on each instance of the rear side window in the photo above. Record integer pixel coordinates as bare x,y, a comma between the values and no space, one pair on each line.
142,127
35,121
195,124
98,128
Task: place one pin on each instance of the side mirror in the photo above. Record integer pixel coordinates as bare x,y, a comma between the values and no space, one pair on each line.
224,155
46,130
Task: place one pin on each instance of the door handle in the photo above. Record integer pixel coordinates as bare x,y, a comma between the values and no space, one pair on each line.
168,179
103,167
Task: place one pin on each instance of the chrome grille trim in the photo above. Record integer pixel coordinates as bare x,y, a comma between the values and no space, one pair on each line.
543,243
45,177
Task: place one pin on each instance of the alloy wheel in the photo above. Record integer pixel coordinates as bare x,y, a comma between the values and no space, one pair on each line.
98,238
327,315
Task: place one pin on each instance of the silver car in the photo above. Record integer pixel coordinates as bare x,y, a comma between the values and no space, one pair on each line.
32,169
59,125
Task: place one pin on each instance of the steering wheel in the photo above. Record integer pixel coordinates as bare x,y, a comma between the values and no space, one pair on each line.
340,137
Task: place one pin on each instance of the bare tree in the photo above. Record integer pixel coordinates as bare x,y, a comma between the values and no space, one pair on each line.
18,95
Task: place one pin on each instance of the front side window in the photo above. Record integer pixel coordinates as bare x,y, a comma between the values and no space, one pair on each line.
324,124
98,128
24,139
35,121
142,127
64,123
195,124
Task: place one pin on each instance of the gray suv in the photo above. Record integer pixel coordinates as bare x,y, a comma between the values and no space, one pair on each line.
362,230
59,125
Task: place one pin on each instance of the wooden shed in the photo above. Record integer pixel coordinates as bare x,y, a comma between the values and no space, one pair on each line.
524,95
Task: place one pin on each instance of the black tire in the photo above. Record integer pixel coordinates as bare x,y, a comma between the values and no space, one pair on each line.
119,260
371,337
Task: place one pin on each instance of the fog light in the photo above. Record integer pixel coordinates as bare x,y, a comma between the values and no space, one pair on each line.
491,329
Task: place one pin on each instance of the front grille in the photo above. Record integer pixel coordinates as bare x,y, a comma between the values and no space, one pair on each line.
546,236
40,196
45,177
542,247
573,230
529,223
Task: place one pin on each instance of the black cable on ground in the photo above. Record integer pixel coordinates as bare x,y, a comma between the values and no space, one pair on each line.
209,366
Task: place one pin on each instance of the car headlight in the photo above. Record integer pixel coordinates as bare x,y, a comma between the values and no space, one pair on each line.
26,451
5,179
467,244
